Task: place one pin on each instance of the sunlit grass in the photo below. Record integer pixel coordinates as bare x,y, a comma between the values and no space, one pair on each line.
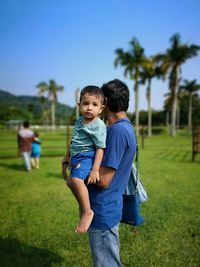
38,213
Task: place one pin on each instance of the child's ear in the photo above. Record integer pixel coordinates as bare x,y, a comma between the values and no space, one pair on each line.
78,104
102,108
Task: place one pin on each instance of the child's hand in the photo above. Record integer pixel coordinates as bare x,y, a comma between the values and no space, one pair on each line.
64,167
93,177
65,163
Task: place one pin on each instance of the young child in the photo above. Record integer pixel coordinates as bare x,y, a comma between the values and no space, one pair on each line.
36,150
86,151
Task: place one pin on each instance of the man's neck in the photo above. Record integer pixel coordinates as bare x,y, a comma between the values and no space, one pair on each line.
113,117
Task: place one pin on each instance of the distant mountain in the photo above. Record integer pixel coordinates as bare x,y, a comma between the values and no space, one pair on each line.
20,107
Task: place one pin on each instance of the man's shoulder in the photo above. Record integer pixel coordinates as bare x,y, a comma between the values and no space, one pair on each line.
26,133
122,126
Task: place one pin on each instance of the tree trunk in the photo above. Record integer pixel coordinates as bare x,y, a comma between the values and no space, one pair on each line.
178,116
149,108
190,113
174,85
53,114
136,108
173,119
30,117
167,119
77,99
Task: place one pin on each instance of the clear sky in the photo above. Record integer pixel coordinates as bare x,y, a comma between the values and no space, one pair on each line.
73,42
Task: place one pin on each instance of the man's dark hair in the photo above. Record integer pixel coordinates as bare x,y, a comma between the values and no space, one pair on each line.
92,90
117,95
26,124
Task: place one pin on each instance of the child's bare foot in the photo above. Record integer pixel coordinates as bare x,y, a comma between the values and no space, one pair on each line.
85,222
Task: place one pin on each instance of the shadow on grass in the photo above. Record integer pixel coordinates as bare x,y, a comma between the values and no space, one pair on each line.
13,166
54,175
15,253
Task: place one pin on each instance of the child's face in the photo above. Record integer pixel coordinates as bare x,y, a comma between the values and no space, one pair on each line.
90,106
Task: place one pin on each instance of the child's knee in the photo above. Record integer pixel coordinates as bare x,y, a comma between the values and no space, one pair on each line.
74,182
69,182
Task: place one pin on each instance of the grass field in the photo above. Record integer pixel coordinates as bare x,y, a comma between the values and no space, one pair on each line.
38,212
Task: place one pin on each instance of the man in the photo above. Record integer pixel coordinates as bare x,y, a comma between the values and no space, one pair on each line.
25,138
106,195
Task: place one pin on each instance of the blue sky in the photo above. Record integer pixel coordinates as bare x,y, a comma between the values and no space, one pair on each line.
73,42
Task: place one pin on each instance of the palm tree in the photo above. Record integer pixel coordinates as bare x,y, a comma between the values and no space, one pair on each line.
52,89
147,74
190,87
168,103
133,60
44,106
171,63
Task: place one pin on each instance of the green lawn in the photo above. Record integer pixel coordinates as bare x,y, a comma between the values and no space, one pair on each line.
38,213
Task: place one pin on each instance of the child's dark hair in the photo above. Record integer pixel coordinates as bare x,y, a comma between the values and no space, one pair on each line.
117,95
93,90
36,134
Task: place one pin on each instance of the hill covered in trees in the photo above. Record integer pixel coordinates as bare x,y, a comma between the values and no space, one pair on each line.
38,111
33,108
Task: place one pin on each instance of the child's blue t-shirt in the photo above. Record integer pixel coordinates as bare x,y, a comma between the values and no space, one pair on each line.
36,150
119,154
88,137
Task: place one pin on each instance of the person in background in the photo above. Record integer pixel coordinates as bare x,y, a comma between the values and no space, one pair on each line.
36,151
25,138
106,194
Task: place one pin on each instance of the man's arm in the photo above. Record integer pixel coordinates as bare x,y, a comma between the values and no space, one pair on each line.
18,140
106,175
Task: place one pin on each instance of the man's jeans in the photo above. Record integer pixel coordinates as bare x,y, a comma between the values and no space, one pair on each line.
27,160
104,245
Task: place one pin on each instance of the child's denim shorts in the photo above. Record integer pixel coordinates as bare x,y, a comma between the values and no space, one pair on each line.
81,164
35,155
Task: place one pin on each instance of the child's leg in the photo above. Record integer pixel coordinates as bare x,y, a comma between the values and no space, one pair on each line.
37,163
80,191
70,185
33,162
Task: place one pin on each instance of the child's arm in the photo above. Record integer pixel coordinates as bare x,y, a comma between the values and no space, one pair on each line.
65,163
94,173
37,140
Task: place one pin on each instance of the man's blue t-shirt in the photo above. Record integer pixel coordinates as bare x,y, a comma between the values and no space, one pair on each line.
120,150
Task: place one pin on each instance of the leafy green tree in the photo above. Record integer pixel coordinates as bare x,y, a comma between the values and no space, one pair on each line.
51,89
133,61
190,87
30,110
171,63
13,112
